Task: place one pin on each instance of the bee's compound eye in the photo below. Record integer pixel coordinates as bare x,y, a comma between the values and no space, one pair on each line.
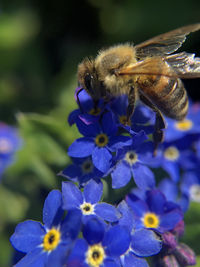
88,82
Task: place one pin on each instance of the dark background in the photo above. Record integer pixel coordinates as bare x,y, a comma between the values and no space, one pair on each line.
58,34
41,43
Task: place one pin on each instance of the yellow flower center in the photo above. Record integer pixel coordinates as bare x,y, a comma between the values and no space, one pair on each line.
87,208
123,120
101,140
87,166
171,153
95,255
95,111
51,239
131,157
5,146
184,125
150,220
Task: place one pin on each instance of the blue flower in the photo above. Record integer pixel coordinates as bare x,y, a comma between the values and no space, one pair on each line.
172,192
101,246
48,244
10,142
144,242
81,171
100,141
190,185
87,201
130,162
155,212
141,119
189,126
87,112
176,156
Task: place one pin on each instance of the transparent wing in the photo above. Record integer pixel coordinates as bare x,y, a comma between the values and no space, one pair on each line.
149,66
185,65
166,43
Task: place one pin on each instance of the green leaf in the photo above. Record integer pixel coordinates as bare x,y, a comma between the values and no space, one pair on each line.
13,205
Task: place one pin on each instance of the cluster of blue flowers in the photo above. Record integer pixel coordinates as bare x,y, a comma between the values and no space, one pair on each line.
79,229
9,144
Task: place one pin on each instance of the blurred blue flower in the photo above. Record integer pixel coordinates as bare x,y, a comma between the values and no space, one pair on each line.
172,192
87,201
155,212
176,156
129,162
190,185
189,126
81,171
10,142
48,244
100,141
101,246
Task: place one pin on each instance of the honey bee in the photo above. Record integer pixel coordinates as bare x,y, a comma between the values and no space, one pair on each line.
148,71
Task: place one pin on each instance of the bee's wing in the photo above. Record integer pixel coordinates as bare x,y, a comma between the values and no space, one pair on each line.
149,66
185,65
166,43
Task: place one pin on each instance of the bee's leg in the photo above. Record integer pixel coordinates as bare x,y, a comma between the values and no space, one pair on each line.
159,123
131,103
78,100
96,102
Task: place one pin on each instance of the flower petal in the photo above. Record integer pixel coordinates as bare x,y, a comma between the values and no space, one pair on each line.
77,256
109,126
145,243
71,225
82,147
173,169
27,236
34,258
121,175
93,231
88,130
118,142
116,241
52,210
169,220
93,192
143,177
130,260
106,212
101,158
156,201
72,172
72,196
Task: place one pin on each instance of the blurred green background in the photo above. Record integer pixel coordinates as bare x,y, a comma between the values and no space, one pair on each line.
41,43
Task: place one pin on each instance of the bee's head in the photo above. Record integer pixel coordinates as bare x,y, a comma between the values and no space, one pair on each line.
88,78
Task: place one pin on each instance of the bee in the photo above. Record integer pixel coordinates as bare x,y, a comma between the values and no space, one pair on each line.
150,71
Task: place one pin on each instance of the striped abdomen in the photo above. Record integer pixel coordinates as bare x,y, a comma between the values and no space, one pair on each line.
168,94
